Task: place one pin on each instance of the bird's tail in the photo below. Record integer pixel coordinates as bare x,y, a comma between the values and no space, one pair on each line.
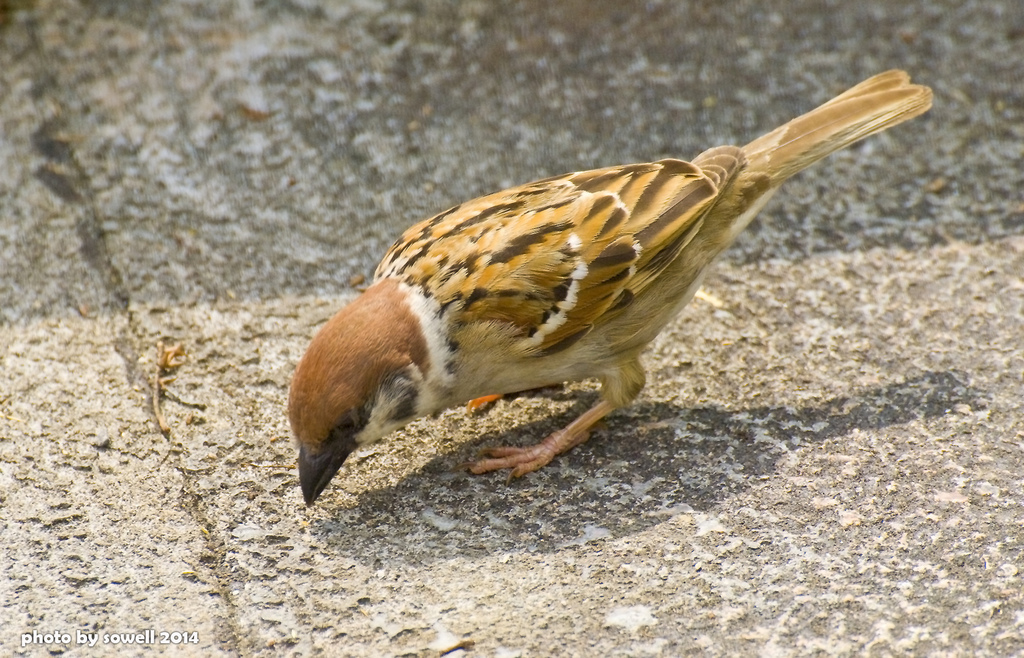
876,104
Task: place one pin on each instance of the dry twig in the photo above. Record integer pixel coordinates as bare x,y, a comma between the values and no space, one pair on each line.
167,358
462,644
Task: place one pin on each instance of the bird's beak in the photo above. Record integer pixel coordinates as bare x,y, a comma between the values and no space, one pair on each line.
316,470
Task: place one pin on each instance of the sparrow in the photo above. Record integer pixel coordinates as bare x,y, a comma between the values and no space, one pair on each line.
563,279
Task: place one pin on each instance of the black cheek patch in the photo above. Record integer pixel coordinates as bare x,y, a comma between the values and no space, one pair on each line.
406,406
400,388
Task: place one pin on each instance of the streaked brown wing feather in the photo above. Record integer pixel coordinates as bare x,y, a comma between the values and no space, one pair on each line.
556,257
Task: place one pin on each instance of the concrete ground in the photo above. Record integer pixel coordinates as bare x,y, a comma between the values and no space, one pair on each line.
828,458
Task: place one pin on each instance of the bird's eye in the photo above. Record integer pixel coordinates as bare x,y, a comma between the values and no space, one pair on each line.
345,429
349,420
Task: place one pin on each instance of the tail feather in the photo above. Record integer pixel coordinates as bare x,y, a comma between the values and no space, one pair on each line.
876,104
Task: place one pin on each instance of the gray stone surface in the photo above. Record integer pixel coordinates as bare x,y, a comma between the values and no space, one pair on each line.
830,459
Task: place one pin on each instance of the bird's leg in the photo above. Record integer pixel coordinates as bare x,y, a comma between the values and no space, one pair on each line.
529,459
481,401
478,403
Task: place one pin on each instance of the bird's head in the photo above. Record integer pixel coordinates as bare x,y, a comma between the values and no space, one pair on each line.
360,378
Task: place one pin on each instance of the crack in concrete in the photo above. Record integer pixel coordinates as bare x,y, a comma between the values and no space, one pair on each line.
68,179
211,566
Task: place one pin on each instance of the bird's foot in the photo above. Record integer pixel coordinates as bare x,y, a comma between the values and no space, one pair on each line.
529,459
524,460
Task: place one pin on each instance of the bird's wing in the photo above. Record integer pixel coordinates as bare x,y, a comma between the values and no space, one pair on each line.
555,257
